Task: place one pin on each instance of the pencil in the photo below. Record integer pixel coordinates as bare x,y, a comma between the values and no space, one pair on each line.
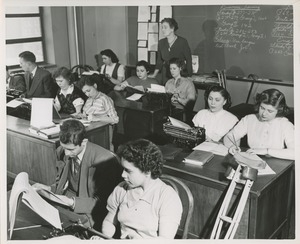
27,227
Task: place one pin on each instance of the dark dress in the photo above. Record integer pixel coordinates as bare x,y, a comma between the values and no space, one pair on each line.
66,102
180,49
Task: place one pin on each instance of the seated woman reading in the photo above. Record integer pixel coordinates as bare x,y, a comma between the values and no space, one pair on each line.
268,131
69,98
141,78
144,205
215,119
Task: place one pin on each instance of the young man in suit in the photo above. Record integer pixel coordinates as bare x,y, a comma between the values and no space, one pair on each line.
86,173
39,82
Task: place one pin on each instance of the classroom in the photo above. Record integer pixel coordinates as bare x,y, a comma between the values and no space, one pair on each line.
127,121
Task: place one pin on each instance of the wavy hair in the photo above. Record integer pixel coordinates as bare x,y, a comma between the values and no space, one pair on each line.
72,131
224,93
144,155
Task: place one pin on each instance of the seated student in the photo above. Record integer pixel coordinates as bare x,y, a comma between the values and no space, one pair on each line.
39,82
183,89
69,98
268,131
111,68
15,82
144,205
216,121
141,78
79,167
98,106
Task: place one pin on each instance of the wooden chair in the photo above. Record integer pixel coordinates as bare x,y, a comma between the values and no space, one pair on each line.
187,200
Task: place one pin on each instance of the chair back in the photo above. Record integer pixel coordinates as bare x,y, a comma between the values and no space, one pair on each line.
187,200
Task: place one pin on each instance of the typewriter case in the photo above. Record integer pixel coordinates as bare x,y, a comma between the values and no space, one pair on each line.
188,138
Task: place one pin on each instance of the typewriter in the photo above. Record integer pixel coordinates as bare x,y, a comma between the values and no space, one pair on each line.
156,99
12,94
183,137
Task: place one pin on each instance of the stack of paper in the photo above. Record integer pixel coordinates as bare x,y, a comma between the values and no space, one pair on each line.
198,157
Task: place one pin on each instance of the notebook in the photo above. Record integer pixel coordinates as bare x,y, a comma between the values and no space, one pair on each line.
198,157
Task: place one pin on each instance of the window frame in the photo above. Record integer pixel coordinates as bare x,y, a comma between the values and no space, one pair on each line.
31,39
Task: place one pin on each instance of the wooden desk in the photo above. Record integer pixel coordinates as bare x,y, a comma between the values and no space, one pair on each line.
144,120
267,212
36,155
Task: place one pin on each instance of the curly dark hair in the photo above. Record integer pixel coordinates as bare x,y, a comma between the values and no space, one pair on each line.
144,154
109,53
72,131
275,98
145,64
224,93
172,23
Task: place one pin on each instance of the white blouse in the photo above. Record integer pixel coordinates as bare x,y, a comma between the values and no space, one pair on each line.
274,134
216,124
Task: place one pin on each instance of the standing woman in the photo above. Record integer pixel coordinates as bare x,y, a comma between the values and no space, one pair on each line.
268,131
215,119
172,46
111,68
69,98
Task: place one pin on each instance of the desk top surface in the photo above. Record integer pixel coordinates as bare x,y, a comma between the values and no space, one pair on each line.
120,101
213,171
22,126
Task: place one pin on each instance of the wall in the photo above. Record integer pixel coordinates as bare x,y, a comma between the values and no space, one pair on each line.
105,27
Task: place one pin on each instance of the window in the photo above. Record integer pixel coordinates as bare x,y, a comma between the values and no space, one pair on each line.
24,32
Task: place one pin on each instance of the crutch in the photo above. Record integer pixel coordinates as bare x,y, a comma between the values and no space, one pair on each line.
242,175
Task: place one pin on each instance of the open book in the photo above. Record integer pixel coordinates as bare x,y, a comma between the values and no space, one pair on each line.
157,88
23,190
50,132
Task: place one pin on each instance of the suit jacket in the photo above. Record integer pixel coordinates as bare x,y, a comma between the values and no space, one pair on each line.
99,174
42,84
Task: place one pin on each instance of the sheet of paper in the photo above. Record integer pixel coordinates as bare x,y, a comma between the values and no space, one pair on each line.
41,112
142,53
91,72
157,88
179,123
142,43
195,63
152,58
142,31
153,27
152,42
266,171
26,100
165,12
14,103
143,13
135,97
153,17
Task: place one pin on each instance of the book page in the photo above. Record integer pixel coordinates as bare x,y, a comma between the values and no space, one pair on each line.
51,196
157,88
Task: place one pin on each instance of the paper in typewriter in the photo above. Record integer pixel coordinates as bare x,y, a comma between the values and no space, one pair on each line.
179,123
22,189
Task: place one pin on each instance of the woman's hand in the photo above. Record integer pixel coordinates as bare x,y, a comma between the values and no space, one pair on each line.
258,151
234,149
174,98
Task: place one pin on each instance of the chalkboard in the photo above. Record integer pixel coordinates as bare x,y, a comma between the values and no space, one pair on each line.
243,39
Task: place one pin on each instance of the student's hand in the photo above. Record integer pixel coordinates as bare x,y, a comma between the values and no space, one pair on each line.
174,98
152,76
22,96
108,76
39,186
233,150
258,151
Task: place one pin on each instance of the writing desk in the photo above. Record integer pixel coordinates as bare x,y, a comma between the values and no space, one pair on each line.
267,212
36,155
139,118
